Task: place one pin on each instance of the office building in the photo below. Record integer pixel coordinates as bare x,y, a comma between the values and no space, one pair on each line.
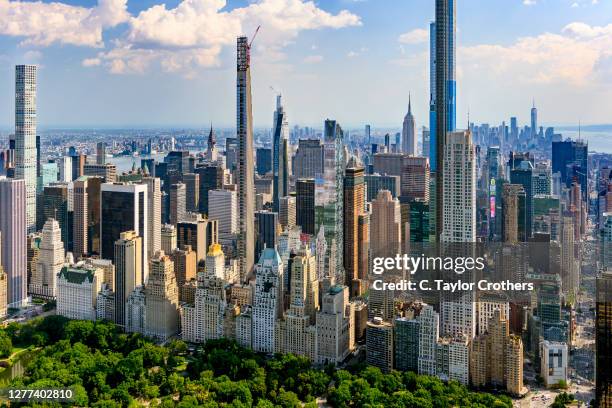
197,232
223,207
177,204
211,178
124,207
308,159
128,269
211,151
287,212
409,141
305,205
192,191
266,230
385,234
354,208
154,225
376,182
13,230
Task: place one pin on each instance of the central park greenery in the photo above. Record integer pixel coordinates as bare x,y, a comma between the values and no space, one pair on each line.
108,368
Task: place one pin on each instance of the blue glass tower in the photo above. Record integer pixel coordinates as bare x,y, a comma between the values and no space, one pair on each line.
445,96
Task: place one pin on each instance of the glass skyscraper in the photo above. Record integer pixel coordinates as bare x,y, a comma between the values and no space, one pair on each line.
445,90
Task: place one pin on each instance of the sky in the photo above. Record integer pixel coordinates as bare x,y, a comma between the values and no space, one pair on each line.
117,63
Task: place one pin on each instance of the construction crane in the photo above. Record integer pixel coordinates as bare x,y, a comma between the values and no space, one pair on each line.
254,35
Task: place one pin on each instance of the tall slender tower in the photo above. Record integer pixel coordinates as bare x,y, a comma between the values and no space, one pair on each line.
445,95
25,136
246,184
280,160
534,120
409,142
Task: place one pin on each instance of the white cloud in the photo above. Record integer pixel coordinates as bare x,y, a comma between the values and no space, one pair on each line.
43,24
574,57
194,33
529,2
416,36
313,59
91,62
356,53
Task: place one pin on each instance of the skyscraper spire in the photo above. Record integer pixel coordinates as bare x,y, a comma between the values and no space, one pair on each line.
212,140
409,107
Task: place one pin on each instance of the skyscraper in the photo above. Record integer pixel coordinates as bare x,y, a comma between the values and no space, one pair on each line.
354,200
178,203
246,187
128,265
603,340
25,137
50,261
13,233
79,225
161,294
267,304
101,153
459,188
211,152
534,121
154,214
409,141
305,205
385,235
308,159
124,207
445,95
280,154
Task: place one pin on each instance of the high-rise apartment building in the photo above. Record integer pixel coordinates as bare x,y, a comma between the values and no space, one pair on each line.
280,155
25,137
268,300
80,218
50,261
429,326
203,320
445,97
161,296
379,344
246,188
335,325
168,238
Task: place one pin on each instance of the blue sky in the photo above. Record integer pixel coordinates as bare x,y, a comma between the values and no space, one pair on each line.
108,63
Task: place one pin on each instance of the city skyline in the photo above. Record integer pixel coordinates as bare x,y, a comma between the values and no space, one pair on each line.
107,68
